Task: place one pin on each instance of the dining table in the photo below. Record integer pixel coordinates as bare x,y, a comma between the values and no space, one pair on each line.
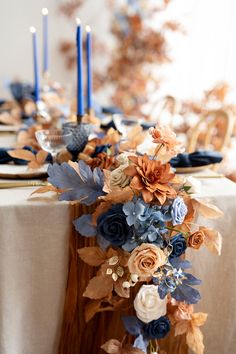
34,256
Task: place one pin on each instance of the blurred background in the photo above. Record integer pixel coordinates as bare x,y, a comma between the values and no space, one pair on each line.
183,47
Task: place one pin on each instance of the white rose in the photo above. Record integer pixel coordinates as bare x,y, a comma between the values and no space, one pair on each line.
148,304
118,178
195,185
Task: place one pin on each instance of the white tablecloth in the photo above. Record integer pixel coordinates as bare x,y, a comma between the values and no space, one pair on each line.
33,272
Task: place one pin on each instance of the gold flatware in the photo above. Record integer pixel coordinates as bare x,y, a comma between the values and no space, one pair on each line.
208,176
6,185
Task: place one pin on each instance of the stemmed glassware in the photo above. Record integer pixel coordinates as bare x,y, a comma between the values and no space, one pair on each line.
53,140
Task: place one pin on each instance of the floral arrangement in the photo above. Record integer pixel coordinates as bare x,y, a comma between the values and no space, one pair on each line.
144,220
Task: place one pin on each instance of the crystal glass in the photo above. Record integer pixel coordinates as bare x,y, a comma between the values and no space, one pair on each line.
53,141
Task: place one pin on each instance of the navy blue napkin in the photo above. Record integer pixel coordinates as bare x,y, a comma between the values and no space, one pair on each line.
197,158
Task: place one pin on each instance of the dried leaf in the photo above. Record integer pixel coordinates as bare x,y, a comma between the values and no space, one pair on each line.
119,195
120,290
46,189
99,287
113,346
41,156
22,154
91,309
194,340
213,240
208,210
198,319
181,327
93,256
102,208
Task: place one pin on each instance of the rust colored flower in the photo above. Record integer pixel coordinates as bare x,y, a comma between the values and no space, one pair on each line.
151,178
165,136
196,239
145,260
103,161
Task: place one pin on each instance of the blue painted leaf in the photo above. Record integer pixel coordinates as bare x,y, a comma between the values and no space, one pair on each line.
141,343
191,280
132,325
85,186
187,294
163,290
84,225
179,263
102,242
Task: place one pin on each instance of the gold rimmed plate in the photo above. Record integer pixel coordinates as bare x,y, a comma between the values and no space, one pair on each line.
22,171
192,169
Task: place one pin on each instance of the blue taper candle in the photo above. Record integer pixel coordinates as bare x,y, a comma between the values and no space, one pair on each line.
89,68
36,64
80,94
45,40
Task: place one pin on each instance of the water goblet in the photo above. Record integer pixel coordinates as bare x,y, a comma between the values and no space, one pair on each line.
53,141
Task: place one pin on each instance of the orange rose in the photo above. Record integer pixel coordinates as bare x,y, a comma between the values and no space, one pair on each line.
196,239
145,259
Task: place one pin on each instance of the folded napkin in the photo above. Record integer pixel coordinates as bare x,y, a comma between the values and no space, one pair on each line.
197,158
6,158
20,91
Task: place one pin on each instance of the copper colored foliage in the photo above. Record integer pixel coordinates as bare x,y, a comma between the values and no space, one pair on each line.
69,7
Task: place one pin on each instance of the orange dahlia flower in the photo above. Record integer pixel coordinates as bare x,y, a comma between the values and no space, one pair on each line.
151,178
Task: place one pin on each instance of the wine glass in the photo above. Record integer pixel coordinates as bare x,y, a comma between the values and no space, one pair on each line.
53,140
125,124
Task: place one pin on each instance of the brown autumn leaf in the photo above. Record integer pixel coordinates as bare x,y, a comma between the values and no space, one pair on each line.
213,240
91,308
208,210
101,208
119,195
41,156
93,256
112,346
134,138
181,327
99,287
199,319
112,137
194,340
46,189
22,154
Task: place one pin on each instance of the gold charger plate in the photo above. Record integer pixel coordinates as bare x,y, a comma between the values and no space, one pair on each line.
192,169
21,171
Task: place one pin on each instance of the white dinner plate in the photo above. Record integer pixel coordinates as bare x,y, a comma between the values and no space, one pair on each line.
9,128
19,171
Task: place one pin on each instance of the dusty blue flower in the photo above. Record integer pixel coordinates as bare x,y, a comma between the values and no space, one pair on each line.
157,329
178,211
133,210
113,227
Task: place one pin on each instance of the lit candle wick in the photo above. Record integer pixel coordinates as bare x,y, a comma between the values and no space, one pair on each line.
32,29
88,29
45,11
78,21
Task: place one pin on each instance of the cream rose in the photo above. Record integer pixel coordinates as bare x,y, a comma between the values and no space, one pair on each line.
148,304
194,184
118,178
145,259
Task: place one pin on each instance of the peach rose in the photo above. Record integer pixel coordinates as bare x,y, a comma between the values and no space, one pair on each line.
196,239
145,259
148,304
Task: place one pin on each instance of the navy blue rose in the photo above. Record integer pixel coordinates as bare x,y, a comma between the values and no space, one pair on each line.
113,227
178,244
157,329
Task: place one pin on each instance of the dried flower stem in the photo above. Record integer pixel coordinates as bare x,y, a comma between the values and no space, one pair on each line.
159,147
